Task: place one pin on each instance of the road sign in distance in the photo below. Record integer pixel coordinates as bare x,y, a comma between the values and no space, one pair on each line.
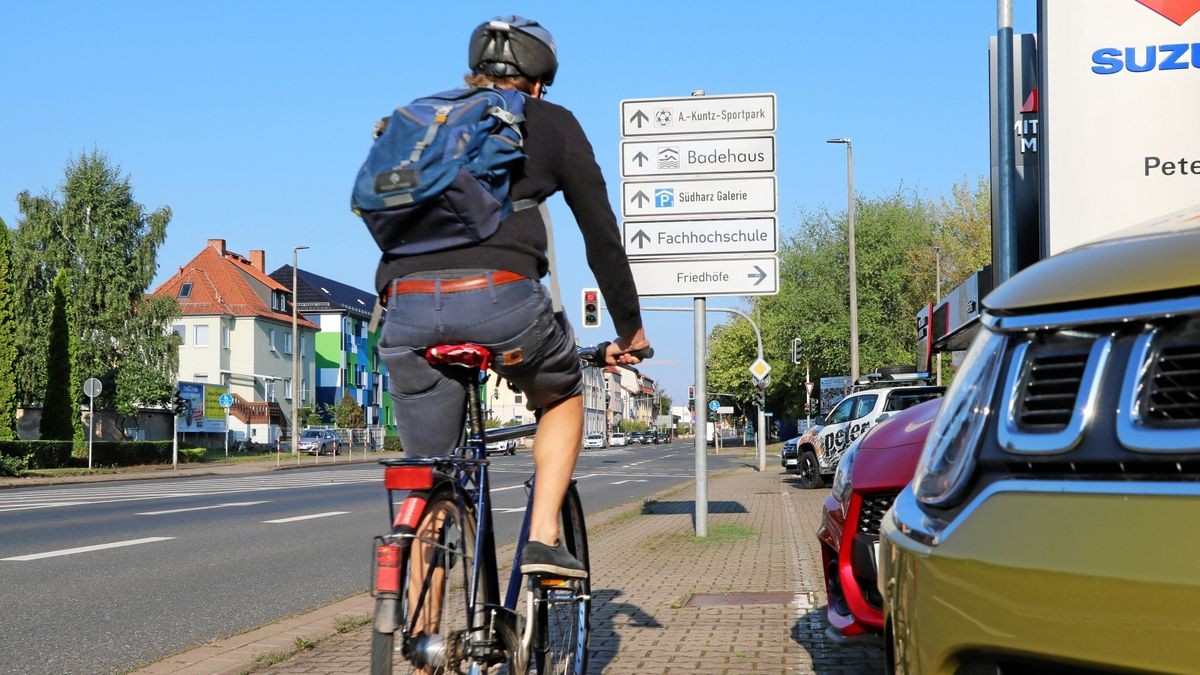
668,197
92,387
692,237
760,369
674,156
714,404
698,114
226,401
691,277
725,410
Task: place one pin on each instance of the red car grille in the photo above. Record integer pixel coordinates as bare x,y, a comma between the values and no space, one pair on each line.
870,513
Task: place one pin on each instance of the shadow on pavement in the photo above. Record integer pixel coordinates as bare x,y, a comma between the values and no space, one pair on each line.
827,657
607,614
662,508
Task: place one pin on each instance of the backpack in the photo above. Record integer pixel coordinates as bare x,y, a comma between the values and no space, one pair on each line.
438,176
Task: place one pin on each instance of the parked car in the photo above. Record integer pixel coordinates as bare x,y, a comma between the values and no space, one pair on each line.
820,448
616,438
593,441
871,473
508,447
635,438
319,442
650,437
1050,526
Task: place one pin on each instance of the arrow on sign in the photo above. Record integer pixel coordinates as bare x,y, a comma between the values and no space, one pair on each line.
761,275
641,238
639,117
640,198
640,158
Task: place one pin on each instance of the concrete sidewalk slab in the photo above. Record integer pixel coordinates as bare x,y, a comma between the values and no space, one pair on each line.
748,598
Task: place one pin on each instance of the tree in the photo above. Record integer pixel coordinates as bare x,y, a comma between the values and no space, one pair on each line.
349,414
94,230
8,345
58,407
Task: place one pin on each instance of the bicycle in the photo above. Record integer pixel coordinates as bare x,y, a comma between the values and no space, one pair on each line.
435,574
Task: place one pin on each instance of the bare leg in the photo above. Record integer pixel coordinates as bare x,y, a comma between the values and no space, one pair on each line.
422,557
555,449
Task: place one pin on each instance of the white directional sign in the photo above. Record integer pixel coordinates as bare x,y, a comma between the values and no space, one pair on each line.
675,156
682,197
698,114
691,277
725,410
691,237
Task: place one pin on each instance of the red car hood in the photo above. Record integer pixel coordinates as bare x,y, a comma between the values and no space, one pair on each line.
888,457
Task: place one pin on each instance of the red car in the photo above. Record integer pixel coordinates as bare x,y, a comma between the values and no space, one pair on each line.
866,483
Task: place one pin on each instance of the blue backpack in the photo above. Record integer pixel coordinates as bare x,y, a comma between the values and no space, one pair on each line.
438,176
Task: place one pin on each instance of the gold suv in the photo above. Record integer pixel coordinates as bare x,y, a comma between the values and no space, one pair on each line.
1053,524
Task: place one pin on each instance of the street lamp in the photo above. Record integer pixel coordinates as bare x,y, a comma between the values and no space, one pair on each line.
295,346
853,264
937,255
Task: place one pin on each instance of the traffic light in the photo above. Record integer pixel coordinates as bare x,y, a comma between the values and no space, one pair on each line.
177,402
797,351
591,308
691,393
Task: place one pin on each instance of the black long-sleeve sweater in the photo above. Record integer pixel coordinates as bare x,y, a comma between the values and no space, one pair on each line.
559,158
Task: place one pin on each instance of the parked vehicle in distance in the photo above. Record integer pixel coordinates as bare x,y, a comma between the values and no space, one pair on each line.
649,437
870,475
820,448
634,438
1046,528
508,447
593,441
319,442
616,438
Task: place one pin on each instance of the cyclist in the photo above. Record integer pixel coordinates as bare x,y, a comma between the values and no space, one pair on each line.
490,293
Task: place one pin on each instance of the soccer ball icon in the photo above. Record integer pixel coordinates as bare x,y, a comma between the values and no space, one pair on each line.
663,118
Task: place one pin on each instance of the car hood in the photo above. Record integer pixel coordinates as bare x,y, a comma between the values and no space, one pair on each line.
887,458
1153,258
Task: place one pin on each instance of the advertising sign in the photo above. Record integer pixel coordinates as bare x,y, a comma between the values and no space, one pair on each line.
202,409
1119,95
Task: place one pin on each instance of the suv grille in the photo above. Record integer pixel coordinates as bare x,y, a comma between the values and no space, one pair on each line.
1173,396
1051,387
870,513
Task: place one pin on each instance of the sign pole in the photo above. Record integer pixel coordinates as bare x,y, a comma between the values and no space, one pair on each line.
226,433
701,442
175,443
91,425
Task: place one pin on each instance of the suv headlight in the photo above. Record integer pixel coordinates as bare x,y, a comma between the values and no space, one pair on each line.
841,477
950,448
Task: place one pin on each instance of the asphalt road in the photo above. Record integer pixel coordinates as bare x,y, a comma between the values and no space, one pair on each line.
102,577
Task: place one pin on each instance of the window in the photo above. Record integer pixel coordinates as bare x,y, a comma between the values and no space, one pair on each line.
180,331
200,377
303,391
287,343
841,413
225,337
864,406
303,346
517,398
185,290
287,388
272,340
906,400
201,335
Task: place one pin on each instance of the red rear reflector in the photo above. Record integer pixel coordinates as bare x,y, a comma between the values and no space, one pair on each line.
387,568
408,477
388,555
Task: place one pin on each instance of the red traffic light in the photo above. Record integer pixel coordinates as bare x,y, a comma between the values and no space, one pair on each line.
589,296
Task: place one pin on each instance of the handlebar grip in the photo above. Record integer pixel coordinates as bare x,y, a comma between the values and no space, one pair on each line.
643,354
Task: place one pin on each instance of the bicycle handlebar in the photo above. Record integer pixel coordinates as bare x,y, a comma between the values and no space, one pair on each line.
594,356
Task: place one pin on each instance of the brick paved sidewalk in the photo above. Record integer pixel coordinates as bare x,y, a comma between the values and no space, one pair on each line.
749,598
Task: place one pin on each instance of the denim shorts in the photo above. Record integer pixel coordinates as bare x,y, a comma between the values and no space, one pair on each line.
531,348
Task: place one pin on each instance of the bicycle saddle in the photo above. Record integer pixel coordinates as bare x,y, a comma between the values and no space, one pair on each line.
465,355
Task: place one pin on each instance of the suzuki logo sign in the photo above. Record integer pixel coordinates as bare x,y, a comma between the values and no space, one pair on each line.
1177,56
1178,11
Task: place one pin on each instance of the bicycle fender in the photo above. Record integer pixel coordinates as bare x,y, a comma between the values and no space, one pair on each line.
411,510
386,612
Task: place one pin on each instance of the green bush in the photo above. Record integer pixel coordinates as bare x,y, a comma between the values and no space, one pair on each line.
192,454
391,444
13,466
41,454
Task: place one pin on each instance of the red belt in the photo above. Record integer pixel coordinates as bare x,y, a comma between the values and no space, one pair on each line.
400,287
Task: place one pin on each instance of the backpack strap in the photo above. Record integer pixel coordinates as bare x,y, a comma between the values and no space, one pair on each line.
441,114
555,294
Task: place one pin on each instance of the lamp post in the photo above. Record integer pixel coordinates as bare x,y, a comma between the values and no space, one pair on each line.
295,347
853,264
937,256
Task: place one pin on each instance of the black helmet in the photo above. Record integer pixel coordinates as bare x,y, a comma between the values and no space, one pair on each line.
511,45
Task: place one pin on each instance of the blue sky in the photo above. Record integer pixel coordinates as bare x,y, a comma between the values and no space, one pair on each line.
249,119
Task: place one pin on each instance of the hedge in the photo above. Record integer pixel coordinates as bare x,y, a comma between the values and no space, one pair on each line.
60,454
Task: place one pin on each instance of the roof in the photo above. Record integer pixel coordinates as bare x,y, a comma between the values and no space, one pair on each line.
224,282
1149,259
320,294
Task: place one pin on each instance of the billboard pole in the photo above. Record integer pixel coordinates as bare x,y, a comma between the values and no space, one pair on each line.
1006,246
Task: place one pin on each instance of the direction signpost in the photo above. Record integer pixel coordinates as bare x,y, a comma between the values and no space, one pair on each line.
226,401
92,388
699,198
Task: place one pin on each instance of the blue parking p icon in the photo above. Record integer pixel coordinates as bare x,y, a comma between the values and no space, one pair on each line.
664,197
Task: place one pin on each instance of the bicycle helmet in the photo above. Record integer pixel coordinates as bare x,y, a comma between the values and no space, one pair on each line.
511,45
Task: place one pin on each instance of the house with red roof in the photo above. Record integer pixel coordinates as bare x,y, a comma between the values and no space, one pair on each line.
236,331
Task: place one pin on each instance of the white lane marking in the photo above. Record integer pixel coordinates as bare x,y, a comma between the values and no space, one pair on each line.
84,549
517,510
631,480
40,506
200,508
308,517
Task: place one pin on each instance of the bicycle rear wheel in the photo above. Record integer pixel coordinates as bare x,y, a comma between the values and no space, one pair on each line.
435,594
563,618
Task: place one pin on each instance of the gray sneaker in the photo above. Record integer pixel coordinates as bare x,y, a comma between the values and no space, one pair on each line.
538,558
